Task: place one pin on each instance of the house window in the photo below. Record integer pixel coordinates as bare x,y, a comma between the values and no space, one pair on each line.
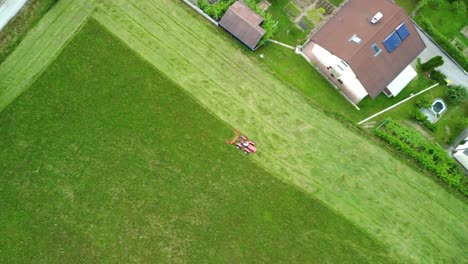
376,49
340,67
355,39
344,63
340,81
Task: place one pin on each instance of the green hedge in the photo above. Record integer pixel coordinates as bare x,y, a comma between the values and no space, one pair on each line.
427,154
422,119
443,42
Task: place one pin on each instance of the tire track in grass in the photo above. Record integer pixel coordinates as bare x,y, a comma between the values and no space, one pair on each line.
135,36
175,66
149,48
127,10
40,47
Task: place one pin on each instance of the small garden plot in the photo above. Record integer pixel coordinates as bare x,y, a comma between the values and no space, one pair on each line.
292,10
305,24
428,154
307,14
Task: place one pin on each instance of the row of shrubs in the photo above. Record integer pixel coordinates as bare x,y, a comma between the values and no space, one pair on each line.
428,154
422,119
217,10
443,41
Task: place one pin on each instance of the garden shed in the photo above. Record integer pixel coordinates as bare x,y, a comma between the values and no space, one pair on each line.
244,24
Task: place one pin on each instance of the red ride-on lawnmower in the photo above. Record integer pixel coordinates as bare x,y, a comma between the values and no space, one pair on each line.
247,146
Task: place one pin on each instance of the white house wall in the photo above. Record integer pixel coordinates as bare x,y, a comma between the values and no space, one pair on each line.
351,85
402,80
461,153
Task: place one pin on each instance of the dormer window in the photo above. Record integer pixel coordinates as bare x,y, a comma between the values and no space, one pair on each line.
376,49
355,39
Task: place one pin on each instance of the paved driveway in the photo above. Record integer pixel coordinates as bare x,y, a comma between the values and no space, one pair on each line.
454,73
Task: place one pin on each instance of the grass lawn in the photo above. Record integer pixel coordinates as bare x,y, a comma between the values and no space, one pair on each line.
14,32
446,21
104,159
413,217
300,144
408,5
300,75
286,30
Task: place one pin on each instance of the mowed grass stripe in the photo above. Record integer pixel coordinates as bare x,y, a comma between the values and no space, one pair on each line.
40,47
127,9
392,210
145,8
175,66
104,160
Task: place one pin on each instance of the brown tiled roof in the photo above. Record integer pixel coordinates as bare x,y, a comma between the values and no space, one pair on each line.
374,72
243,23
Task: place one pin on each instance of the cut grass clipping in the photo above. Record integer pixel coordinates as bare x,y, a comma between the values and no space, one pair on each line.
106,160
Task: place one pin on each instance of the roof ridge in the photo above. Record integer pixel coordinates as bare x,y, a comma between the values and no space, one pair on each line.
256,27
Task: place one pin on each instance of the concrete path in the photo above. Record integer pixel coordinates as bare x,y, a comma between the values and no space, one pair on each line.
8,9
454,73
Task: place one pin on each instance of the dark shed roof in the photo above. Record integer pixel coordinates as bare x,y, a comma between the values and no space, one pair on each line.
374,72
243,23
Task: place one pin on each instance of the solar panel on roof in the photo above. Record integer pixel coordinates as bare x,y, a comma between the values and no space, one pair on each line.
392,42
402,31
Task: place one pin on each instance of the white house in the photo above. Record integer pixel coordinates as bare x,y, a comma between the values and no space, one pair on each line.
366,49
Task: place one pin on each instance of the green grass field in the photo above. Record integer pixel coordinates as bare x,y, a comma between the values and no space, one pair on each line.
122,165
16,29
415,219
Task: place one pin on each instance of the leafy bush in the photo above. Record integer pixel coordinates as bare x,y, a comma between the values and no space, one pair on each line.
456,94
444,42
421,4
418,115
422,119
427,154
423,102
215,10
432,63
434,3
438,77
432,127
459,7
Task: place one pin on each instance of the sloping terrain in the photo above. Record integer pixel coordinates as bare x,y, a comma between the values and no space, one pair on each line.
410,214
104,159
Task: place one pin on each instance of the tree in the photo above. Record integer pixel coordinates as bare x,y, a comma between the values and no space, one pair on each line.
459,7
423,102
439,77
456,94
432,64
